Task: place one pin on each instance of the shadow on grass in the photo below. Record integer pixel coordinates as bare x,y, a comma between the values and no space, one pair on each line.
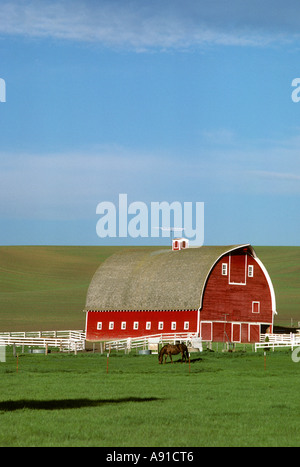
58,404
192,360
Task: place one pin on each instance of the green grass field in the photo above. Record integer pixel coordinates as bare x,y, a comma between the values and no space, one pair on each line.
44,287
219,400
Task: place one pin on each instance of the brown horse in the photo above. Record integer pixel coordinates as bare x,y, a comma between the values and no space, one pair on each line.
169,350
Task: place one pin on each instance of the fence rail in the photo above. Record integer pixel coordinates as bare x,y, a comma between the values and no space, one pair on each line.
64,340
68,334
145,341
278,340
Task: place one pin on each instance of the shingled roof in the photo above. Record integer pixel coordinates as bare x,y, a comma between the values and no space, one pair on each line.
162,280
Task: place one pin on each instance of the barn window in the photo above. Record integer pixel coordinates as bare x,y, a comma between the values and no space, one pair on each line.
135,325
173,325
255,307
224,269
250,271
160,325
123,325
111,325
148,325
186,325
99,326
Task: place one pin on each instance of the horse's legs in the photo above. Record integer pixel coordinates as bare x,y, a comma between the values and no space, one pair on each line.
171,358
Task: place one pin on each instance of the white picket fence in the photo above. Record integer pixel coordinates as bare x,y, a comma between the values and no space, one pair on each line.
69,340
146,341
278,340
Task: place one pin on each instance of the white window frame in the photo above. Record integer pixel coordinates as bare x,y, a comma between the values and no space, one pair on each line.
99,326
186,325
111,325
148,325
173,325
123,325
160,325
135,325
256,312
250,270
224,269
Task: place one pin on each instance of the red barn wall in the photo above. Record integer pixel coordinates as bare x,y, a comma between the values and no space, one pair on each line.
140,317
233,300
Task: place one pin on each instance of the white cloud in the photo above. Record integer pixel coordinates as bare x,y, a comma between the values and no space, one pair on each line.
70,185
277,175
219,136
141,24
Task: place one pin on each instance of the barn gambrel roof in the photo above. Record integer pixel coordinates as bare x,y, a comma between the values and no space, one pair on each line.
160,280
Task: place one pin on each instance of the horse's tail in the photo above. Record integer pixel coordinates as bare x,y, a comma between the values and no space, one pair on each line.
161,353
186,351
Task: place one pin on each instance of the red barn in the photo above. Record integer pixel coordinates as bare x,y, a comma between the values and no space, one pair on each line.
220,293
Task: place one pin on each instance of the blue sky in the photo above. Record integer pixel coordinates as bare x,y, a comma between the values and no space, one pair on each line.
164,101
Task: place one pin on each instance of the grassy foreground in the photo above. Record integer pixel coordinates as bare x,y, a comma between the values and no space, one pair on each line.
219,400
44,287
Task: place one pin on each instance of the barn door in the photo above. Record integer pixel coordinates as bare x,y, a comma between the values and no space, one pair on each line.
236,332
221,332
254,333
206,331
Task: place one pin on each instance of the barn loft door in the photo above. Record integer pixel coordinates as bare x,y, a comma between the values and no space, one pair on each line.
237,269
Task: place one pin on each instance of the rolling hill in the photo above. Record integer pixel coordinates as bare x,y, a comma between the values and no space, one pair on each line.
44,287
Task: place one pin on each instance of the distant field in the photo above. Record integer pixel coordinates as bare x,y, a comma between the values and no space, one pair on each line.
283,265
44,287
